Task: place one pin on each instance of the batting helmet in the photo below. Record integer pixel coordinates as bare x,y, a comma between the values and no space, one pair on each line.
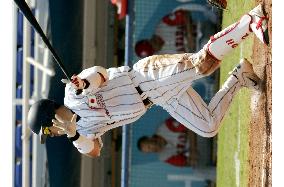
143,48
41,114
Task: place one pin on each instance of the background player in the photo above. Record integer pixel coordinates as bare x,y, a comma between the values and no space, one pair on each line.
173,143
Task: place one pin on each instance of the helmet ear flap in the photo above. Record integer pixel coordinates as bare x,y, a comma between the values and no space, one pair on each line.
42,138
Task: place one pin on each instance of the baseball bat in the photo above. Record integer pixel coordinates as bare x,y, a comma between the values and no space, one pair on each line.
30,17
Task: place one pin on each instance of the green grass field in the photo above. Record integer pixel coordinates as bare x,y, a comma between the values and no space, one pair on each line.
233,141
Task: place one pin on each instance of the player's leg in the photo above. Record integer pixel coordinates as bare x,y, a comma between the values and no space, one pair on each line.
195,114
226,40
208,59
163,71
241,76
191,111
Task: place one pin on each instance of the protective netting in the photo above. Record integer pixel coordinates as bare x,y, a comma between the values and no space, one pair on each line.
150,169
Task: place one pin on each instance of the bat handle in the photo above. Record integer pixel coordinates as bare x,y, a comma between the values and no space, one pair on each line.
79,91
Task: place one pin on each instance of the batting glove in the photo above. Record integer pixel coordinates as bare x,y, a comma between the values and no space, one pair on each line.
77,82
67,127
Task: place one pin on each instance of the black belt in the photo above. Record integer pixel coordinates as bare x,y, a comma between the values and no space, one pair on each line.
147,102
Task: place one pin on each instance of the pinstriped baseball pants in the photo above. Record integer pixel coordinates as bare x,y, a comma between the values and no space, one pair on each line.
166,80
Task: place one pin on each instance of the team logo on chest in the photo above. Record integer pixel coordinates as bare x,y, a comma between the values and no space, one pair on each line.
92,102
96,101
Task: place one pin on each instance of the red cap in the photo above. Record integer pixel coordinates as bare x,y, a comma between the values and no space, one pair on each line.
143,48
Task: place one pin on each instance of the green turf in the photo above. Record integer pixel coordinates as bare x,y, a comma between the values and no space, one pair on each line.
233,135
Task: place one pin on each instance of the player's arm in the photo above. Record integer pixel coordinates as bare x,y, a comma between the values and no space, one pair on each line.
96,151
84,144
89,79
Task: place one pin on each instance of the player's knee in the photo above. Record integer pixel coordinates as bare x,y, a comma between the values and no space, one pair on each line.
206,64
211,130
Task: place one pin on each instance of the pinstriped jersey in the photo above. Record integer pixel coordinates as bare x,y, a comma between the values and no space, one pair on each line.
117,103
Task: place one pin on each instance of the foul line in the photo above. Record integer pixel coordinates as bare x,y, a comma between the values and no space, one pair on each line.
236,156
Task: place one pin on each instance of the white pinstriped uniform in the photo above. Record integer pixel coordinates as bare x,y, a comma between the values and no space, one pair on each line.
166,80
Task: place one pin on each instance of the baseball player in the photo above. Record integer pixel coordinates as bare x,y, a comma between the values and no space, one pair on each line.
169,38
117,96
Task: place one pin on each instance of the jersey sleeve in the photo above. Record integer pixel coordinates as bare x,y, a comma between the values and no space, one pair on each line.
71,100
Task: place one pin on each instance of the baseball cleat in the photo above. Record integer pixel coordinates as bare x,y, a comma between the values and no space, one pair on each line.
259,24
246,76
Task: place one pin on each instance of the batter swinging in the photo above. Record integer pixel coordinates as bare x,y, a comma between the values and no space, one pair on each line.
118,96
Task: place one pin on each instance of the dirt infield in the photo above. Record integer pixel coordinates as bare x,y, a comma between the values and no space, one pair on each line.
260,151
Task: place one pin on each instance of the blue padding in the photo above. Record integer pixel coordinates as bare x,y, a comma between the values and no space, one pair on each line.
31,144
33,31
20,29
19,113
32,76
31,170
32,54
19,94
19,91
32,38
19,65
18,141
18,174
